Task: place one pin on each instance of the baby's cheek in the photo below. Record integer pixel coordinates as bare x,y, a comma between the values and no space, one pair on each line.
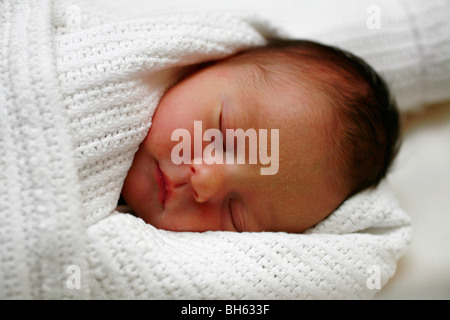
135,189
139,186
159,141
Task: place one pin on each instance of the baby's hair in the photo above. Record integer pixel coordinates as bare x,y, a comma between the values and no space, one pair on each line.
366,123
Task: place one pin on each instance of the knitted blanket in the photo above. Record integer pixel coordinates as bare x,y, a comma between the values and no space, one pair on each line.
73,111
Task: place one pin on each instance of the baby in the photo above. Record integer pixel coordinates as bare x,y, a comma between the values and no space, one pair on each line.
338,135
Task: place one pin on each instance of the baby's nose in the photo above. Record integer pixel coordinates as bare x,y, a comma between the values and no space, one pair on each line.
207,180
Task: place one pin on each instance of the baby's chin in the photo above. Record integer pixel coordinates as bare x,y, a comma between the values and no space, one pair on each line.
149,216
178,222
157,220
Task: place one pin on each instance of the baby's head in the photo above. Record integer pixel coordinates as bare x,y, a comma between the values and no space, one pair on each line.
338,135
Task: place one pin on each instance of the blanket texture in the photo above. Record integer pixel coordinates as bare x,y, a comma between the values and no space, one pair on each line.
73,110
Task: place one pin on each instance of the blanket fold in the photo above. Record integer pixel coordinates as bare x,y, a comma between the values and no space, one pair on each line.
42,229
73,111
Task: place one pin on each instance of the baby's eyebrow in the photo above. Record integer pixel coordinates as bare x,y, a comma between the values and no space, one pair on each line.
248,101
259,76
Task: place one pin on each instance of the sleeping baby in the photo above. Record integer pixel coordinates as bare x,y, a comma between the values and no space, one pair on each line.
323,116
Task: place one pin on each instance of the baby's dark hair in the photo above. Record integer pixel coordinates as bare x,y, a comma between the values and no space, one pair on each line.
366,124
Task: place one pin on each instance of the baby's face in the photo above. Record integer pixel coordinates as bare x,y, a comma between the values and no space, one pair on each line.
232,196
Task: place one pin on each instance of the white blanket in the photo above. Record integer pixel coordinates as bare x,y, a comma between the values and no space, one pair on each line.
73,110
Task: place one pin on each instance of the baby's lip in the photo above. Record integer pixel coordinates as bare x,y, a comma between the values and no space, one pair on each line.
161,180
